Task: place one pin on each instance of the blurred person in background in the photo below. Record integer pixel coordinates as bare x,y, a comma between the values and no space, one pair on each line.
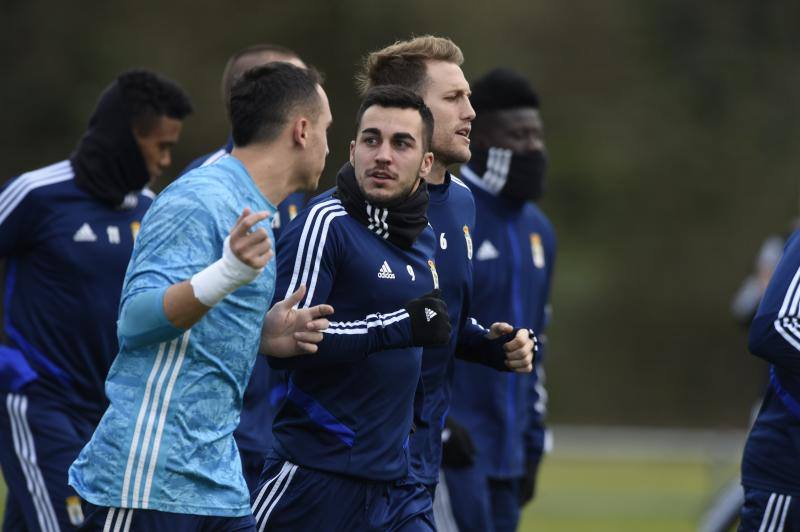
66,232
431,67
266,388
502,415
770,463
238,64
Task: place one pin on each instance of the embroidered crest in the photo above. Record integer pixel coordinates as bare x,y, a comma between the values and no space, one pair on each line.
432,266
468,238
74,510
537,250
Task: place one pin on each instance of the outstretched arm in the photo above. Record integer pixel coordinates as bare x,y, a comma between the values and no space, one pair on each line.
160,314
344,342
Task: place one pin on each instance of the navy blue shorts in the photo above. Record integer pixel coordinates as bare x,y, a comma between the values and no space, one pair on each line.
102,518
39,440
292,498
764,510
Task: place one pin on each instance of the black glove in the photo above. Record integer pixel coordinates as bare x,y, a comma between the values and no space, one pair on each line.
430,323
527,486
457,447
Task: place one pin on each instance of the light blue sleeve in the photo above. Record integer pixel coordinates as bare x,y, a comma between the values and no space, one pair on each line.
181,234
142,320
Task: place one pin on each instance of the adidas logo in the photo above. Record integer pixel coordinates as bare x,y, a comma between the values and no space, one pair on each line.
385,272
429,314
84,234
487,251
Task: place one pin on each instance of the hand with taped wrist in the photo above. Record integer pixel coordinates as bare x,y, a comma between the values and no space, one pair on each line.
430,322
245,254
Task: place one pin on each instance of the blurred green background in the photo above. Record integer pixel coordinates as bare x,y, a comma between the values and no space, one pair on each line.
671,126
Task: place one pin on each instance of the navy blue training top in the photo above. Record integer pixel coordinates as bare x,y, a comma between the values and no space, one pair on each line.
451,212
66,253
513,264
349,407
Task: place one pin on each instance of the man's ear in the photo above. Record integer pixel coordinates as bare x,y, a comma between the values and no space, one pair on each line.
426,165
137,132
353,153
300,131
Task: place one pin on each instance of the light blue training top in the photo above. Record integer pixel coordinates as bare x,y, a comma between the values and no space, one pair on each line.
166,440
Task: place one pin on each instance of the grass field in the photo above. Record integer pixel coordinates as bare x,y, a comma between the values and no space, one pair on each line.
603,480
619,495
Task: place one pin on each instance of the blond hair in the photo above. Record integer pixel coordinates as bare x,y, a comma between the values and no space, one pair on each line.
403,63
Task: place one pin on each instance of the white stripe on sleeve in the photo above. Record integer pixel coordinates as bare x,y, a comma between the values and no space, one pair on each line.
25,183
306,243
786,323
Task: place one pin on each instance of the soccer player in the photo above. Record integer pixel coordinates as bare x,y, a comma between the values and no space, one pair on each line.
238,64
514,258
771,464
192,320
266,388
430,66
66,232
339,453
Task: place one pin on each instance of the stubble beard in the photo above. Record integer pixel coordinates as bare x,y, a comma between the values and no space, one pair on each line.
450,155
395,199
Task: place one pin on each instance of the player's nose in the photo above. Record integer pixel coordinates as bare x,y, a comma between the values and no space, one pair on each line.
384,153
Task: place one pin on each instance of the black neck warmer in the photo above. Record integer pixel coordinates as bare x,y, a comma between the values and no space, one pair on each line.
516,176
400,222
108,162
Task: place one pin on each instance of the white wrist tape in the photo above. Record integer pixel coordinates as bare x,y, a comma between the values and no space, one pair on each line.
211,285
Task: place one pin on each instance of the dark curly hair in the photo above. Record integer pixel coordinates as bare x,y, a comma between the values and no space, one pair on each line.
149,96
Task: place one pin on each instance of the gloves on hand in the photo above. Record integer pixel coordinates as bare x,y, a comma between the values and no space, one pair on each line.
430,322
527,487
457,447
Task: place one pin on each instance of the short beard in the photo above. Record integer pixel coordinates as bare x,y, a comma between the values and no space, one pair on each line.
394,201
450,157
